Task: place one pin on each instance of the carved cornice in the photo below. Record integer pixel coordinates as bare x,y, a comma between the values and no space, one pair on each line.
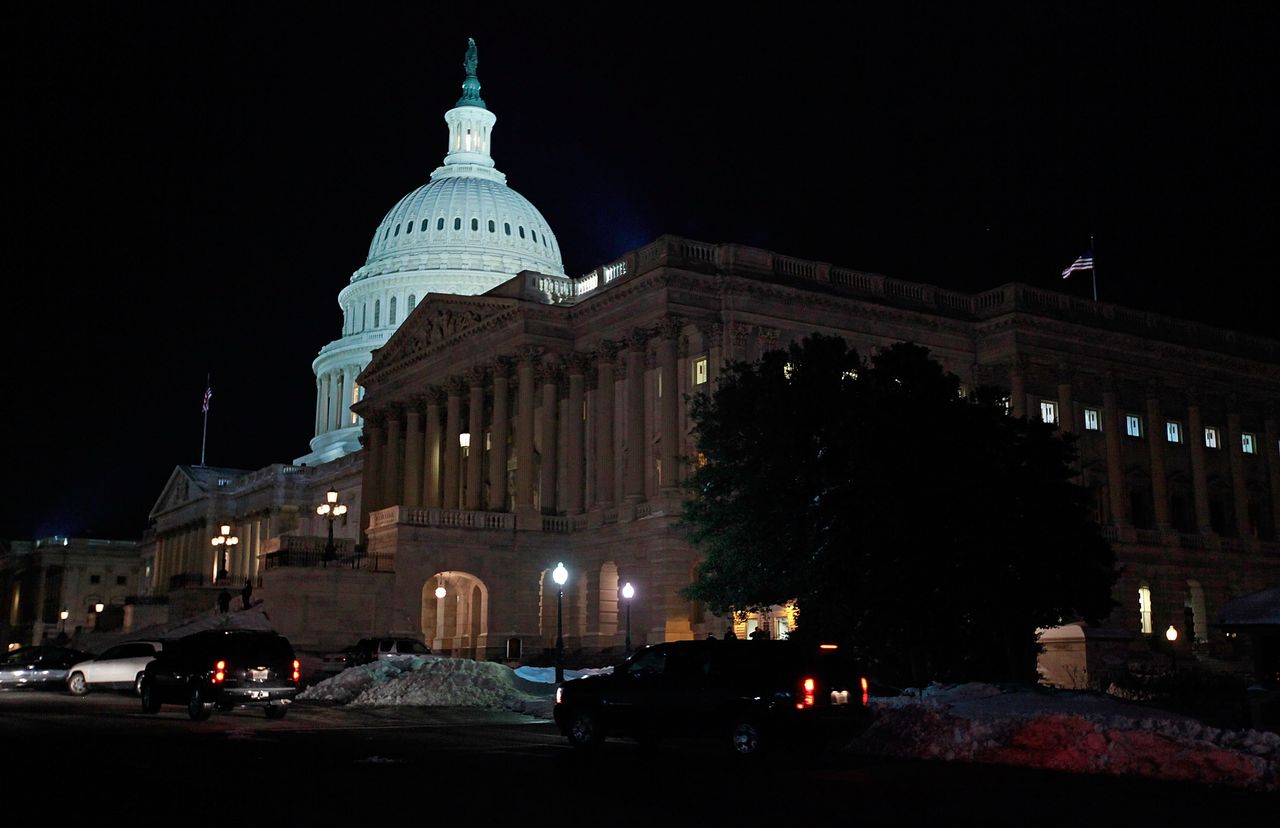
435,395
547,372
638,339
576,362
501,367
477,376
606,352
532,353
455,386
669,327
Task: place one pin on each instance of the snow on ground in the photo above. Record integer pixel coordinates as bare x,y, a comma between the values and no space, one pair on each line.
1057,730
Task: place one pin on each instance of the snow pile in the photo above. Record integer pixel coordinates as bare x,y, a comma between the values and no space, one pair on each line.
1078,732
427,681
547,675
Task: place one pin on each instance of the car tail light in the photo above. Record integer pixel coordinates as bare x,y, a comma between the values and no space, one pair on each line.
866,688
296,670
807,687
219,672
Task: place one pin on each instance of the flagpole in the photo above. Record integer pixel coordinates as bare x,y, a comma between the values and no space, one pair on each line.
205,435
1093,271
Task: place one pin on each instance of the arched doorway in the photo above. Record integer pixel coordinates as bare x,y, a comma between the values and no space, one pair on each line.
455,614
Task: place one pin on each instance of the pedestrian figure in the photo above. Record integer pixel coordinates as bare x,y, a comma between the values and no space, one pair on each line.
759,634
246,593
730,635
224,601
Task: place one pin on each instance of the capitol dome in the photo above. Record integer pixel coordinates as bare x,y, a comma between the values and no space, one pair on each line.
463,232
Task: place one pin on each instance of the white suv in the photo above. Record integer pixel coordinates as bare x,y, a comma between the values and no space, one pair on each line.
119,668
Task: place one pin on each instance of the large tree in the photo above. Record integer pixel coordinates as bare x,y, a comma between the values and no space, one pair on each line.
928,530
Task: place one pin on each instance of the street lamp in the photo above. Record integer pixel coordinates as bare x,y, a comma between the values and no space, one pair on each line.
62,622
1171,635
329,510
628,592
560,575
440,591
99,607
223,543
464,442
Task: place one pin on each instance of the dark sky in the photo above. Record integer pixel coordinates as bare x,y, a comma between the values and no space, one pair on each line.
188,186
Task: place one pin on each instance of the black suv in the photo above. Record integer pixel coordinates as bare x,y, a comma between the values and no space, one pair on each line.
222,669
752,694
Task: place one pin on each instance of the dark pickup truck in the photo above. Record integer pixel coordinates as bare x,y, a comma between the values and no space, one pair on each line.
750,694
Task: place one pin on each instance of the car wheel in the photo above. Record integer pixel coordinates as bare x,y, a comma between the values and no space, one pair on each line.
150,701
77,685
745,738
585,729
277,711
197,708
137,685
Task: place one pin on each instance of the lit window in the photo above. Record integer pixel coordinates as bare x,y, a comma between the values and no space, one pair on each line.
1144,609
391,312
355,398
699,370
1248,444
1211,437
457,223
1049,411
787,370
1173,431
1133,425
1092,420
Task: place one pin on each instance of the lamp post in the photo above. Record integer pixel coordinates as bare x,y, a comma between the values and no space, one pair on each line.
628,592
329,510
560,575
62,622
464,443
223,543
1171,635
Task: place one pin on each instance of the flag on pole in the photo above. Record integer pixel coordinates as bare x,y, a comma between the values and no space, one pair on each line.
208,392
1083,262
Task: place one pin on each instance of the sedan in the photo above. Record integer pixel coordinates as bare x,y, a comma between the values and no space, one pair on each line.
38,666
119,668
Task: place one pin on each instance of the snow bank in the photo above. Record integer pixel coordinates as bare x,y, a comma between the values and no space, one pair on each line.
432,681
1079,732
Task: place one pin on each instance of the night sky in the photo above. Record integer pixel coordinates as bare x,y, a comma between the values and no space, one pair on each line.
187,188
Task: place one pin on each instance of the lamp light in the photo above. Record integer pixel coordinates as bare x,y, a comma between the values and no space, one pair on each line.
1171,633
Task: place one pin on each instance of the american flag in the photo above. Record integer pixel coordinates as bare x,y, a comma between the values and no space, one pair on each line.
208,392
1083,262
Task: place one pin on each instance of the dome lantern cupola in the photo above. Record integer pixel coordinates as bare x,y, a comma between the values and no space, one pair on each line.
470,128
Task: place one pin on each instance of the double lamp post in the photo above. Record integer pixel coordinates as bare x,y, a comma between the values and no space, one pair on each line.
561,576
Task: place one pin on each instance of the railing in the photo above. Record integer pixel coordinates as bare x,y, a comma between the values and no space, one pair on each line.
186,579
450,518
1111,533
1151,537
559,525
1190,540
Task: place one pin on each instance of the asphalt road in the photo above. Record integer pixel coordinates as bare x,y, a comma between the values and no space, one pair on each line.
329,765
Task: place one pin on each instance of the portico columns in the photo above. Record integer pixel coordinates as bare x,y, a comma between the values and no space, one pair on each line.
1199,478
549,426
452,428
1115,471
431,450
475,453
575,364
669,404
391,482
498,439
1239,488
371,439
524,430
1155,443
413,456
636,449
605,469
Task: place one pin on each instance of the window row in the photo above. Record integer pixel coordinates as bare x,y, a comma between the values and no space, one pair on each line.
1134,426
389,232
392,315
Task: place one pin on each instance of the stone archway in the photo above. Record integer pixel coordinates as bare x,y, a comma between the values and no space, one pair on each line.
456,624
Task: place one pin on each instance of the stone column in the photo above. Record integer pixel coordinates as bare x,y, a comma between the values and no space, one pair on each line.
319,404
1115,470
452,428
413,455
636,448
498,431
549,425
605,469
431,494
1199,477
524,429
394,457
1239,486
326,406
669,404
371,439
1017,387
1271,451
576,365
1156,438
344,396
476,378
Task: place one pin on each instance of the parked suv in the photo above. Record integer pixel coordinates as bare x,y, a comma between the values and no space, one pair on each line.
223,669
750,694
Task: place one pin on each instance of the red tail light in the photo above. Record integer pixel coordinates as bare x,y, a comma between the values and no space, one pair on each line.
219,672
866,694
807,687
296,668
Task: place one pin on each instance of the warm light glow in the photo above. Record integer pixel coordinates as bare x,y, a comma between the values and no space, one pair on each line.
226,529
340,511
323,509
440,591
464,439
560,575
1171,633
331,496
63,615
808,685
99,607
628,591
828,646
